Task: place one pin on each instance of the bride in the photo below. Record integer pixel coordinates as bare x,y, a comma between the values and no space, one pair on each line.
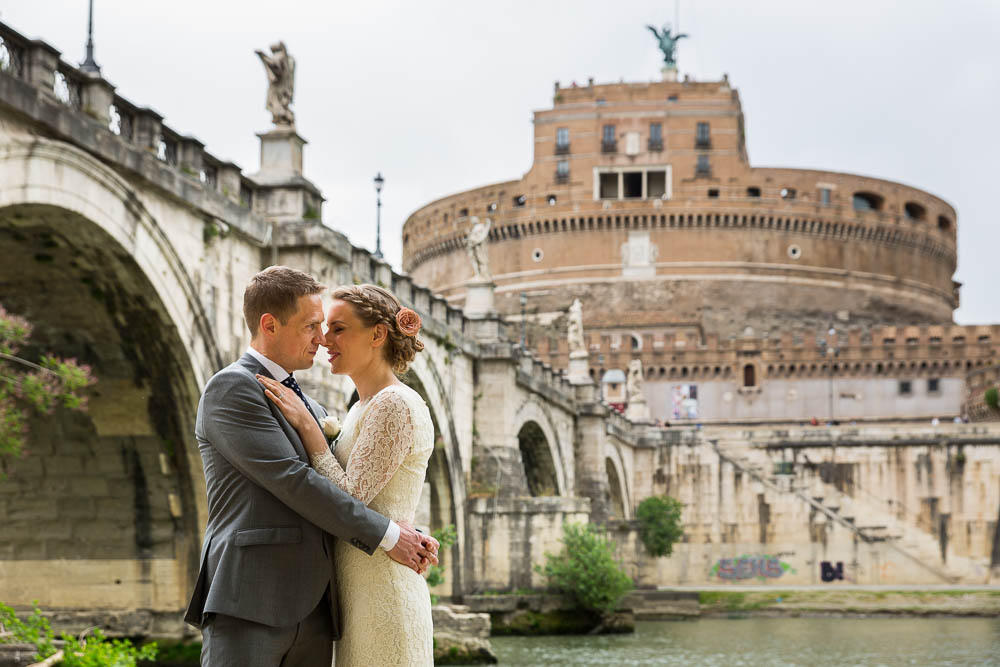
380,458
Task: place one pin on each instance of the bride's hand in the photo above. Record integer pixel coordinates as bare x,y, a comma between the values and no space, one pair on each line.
293,407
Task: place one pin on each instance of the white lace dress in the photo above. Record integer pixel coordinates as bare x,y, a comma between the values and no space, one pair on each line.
380,459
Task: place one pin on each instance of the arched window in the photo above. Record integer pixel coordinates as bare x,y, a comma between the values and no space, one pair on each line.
749,376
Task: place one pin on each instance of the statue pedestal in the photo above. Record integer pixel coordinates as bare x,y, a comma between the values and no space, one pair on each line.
479,298
578,368
284,194
669,72
637,411
281,152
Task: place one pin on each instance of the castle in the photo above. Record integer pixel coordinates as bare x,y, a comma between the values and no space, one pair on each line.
749,294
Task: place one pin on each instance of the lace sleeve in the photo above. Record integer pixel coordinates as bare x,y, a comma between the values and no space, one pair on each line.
384,440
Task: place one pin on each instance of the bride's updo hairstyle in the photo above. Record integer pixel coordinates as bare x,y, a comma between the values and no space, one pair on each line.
375,305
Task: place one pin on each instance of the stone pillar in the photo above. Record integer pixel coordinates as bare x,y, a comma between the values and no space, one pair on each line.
281,153
669,72
479,298
285,194
229,181
40,68
579,367
189,152
97,96
637,410
148,128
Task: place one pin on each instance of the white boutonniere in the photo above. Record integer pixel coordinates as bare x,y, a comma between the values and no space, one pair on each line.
331,426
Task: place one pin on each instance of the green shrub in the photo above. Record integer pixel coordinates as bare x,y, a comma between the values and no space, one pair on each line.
992,397
660,522
586,569
435,574
94,650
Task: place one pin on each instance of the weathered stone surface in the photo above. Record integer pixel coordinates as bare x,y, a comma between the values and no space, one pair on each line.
461,637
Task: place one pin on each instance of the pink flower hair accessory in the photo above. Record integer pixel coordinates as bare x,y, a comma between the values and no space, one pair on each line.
408,322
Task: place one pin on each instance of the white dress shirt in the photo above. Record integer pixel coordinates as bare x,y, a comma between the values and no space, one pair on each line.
391,536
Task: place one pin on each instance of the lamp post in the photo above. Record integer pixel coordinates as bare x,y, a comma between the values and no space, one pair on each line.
378,214
524,320
89,64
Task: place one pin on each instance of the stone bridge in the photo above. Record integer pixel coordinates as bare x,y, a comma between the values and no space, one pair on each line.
128,246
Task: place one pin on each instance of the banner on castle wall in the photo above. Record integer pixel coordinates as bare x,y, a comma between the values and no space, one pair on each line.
685,401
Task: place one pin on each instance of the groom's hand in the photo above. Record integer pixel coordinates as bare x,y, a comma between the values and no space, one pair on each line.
414,550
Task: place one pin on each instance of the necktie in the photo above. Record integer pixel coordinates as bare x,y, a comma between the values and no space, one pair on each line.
294,386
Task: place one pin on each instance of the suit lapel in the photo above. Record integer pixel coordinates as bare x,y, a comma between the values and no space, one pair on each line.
255,367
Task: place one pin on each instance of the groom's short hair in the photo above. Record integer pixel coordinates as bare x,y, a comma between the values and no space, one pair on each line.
276,290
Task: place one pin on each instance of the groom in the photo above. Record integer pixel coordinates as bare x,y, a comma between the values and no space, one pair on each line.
266,593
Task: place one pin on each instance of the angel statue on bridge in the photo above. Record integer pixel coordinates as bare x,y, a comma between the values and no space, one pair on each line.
668,42
280,67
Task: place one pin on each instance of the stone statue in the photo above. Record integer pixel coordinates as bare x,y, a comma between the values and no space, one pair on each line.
280,67
633,386
476,245
667,43
574,328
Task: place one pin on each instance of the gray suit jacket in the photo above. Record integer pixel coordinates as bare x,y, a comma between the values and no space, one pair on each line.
267,555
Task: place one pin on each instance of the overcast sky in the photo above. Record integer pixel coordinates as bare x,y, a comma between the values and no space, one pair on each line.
438,95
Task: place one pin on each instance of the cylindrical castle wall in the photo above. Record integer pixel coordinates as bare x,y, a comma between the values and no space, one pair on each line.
724,261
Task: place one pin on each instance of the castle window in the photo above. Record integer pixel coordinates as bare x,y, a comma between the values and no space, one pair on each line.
905,388
552,200
933,385
984,338
944,223
491,208
867,201
702,137
656,136
562,171
671,98
749,376
753,192
609,186
656,184
912,341
788,193
914,211
632,184
958,340
562,140
713,193
462,213
824,196
608,142
520,200
703,168
888,341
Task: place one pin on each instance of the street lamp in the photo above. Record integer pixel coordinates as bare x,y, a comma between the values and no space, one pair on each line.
378,214
89,64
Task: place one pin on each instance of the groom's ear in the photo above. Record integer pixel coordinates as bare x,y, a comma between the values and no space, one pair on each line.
268,324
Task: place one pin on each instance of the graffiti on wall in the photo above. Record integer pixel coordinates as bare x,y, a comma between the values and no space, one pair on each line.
762,567
831,572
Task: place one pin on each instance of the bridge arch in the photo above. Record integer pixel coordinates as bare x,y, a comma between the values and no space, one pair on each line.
541,451
619,498
88,264
445,468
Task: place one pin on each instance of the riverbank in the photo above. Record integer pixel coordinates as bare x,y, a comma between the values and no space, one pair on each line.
843,602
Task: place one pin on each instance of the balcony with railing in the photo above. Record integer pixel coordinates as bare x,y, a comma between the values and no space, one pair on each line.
561,176
39,65
562,149
703,142
655,145
609,146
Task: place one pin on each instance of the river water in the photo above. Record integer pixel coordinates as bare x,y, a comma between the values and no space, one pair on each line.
767,642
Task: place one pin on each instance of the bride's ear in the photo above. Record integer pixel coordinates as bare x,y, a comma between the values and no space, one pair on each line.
380,333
